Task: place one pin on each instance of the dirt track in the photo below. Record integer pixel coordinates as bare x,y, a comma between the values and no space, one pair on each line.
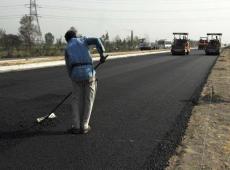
206,144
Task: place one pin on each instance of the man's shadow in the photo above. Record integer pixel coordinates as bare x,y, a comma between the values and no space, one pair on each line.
29,132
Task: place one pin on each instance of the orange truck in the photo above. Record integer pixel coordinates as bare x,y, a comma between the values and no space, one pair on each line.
203,42
180,44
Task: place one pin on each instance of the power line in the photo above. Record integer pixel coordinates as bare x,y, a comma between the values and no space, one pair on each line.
121,18
63,8
135,20
10,6
66,8
130,2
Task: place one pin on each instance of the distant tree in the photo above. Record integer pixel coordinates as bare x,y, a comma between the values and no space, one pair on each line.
147,38
2,34
28,31
60,45
118,44
105,40
117,41
136,41
128,42
10,42
49,38
105,37
117,38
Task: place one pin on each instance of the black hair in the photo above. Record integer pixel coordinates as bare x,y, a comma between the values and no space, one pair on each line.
70,34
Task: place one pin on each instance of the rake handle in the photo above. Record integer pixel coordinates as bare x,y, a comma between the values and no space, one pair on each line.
63,100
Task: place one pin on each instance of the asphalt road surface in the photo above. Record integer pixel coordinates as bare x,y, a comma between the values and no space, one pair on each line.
138,102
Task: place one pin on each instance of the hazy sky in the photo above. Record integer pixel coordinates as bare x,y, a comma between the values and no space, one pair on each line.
156,19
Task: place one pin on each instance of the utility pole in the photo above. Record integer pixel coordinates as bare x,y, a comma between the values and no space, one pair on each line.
34,17
132,39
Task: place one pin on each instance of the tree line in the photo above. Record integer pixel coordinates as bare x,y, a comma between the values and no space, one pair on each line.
29,43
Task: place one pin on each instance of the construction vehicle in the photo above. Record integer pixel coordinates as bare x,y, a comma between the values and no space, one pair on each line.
214,44
144,44
203,42
180,44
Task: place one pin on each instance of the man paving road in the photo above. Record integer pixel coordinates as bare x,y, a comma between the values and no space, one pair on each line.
83,76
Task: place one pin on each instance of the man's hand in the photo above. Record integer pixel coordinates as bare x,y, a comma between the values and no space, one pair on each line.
102,58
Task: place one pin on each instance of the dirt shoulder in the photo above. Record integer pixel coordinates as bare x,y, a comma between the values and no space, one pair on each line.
58,58
206,144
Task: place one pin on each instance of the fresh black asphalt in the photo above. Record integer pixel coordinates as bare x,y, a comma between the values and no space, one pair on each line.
139,100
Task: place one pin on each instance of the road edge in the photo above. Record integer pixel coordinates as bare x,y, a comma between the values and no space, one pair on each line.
31,66
159,159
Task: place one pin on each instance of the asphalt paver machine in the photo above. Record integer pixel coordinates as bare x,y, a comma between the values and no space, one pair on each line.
214,44
180,44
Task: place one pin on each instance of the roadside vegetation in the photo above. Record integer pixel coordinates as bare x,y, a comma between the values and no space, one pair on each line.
29,43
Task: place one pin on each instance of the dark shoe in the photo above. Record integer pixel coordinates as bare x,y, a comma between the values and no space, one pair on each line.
84,131
74,130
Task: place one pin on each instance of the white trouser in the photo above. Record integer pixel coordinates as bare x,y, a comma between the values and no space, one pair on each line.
83,97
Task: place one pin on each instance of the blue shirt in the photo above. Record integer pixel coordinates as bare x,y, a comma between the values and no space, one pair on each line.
78,58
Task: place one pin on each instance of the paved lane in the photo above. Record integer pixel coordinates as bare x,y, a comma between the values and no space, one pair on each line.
138,102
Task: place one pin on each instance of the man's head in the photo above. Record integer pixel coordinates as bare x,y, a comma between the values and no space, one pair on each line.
69,35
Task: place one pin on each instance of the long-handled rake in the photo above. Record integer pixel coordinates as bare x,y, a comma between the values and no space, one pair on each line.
51,114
